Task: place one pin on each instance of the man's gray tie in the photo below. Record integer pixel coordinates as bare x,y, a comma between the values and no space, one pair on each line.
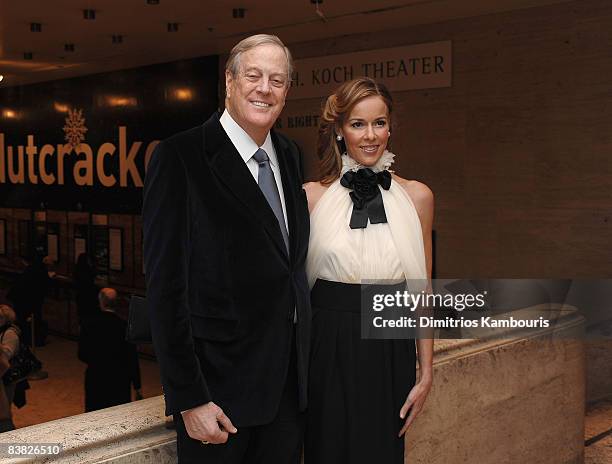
267,184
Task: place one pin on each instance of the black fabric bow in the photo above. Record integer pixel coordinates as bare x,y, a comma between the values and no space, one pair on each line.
366,196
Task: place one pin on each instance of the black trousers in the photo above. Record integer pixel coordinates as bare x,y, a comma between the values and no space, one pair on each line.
279,442
356,387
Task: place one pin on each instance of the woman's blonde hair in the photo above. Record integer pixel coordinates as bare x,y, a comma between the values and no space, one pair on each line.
337,108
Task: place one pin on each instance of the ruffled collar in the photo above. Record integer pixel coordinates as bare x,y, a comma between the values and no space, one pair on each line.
383,163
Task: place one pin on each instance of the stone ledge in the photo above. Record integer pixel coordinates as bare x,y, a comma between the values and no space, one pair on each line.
133,432
527,387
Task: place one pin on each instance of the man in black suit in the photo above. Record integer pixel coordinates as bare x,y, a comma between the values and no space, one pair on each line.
226,231
112,362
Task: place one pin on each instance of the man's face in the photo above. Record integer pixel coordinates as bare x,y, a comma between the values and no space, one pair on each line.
256,95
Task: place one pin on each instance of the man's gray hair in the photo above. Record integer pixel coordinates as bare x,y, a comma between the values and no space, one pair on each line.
233,61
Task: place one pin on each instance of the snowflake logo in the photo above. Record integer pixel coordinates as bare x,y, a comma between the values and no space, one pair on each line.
75,129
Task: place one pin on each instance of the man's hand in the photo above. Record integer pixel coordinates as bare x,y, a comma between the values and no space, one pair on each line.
208,423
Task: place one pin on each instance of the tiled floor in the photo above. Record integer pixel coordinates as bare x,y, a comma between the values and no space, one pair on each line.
61,395
599,427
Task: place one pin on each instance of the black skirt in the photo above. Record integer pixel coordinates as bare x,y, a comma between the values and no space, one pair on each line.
356,387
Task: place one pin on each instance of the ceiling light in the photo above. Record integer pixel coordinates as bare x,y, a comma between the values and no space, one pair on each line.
60,107
35,27
172,27
89,14
180,94
69,47
1,77
27,55
117,38
117,100
9,114
238,13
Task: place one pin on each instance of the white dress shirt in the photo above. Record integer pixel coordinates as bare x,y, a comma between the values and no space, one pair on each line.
247,147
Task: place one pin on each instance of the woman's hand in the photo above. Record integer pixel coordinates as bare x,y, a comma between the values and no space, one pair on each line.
414,402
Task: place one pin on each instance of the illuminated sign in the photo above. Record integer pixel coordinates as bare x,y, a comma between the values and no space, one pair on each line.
31,163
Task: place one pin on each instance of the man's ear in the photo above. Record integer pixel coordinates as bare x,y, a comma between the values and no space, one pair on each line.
229,80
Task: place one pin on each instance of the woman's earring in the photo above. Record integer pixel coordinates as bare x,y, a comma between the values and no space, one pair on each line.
338,137
389,133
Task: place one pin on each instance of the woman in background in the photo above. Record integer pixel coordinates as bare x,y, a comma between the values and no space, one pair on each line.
9,345
366,224
28,296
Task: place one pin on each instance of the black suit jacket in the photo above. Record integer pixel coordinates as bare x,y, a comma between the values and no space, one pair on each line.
112,362
221,290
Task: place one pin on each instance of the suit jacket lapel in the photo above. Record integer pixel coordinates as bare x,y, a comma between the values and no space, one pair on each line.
233,172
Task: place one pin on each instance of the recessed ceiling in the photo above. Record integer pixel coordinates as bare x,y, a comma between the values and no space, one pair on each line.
204,28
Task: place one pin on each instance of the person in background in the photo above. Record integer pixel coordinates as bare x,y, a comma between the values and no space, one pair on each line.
28,296
9,345
85,287
112,362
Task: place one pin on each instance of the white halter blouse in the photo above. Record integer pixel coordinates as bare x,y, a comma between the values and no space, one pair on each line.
389,251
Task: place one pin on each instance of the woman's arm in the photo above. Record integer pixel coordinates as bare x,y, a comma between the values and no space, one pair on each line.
9,344
4,363
423,200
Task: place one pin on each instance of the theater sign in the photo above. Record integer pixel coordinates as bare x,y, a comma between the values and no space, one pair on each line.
79,163
420,66
83,144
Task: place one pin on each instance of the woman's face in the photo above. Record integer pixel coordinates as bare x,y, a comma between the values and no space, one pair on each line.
366,130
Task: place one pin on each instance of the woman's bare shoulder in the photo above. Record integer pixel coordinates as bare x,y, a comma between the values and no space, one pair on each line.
314,191
314,188
420,194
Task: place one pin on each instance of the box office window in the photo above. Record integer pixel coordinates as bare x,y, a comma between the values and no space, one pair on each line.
100,249
53,247
3,237
24,237
80,241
